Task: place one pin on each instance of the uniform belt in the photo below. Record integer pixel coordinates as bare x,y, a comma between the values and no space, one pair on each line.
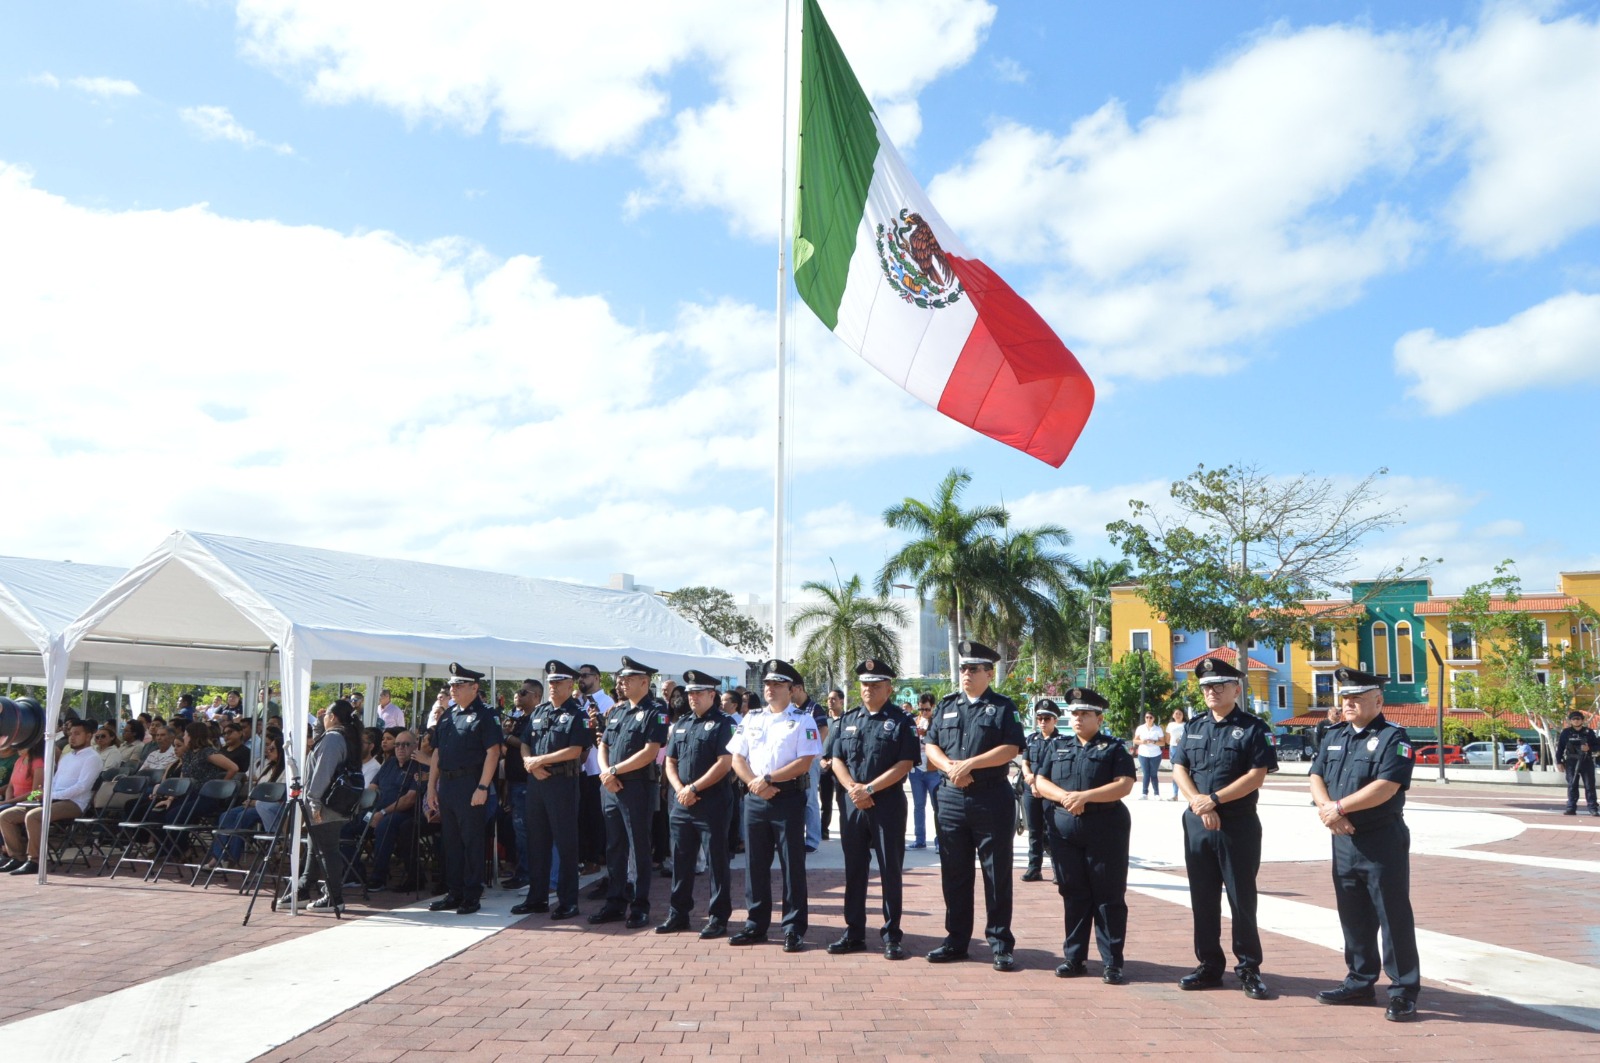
789,786
564,769
459,773
646,773
982,775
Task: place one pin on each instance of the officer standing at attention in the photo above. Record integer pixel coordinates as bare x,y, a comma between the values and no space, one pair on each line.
558,736
1575,748
872,749
1036,757
1225,756
636,729
698,763
974,735
772,753
466,741
1359,782
1086,775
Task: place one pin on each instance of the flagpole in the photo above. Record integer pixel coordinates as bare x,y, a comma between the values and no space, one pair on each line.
783,318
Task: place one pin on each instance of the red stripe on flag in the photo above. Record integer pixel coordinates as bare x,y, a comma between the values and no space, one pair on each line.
1015,381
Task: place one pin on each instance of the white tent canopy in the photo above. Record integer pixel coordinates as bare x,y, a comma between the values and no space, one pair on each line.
38,599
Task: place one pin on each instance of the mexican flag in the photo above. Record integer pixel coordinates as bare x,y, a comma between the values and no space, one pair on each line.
881,269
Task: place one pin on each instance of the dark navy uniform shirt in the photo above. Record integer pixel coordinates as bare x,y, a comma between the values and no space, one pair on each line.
870,743
552,728
463,735
1036,751
629,728
1215,754
697,742
1076,766
1349,759
964,728
1575,743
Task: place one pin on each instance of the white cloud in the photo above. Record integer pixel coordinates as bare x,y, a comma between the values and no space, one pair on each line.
1524,96
44,80
1554,343
533,71
183,369
1010,71
103,87
217,123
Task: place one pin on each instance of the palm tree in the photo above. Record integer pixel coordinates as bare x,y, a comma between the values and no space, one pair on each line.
1083,608
1025,580
946,556
846,626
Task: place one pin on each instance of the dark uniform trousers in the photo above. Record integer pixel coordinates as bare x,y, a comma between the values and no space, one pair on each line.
1580,770
627,816
705,823
1035,812
1090,856
866,833
552,821
1372,886
461,835
980,821
1229,856
776,826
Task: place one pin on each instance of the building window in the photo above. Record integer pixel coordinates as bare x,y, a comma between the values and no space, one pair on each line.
1540,644
1542,677
1282,653
1215,641
1463,647
1322,645
1403,653
1463,690
1323,696
1283,696
1139,641
1380,649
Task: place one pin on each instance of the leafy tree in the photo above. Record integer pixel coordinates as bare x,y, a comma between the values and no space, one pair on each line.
1136,683
712,610
1239,552
1023,577
843,628
946,557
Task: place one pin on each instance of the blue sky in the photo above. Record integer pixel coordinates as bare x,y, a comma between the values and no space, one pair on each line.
492,285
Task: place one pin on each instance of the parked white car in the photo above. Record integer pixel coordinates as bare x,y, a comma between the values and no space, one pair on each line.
1481,754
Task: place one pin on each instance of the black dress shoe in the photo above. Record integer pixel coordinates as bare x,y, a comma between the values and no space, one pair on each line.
445,904
530,908
637,920
1201,978
1075,969
1254,987
946,954
846,944
1400,1010
749,936
893,950
1347,994
514,884
607,915
1113,976
793,942
714,928
566,911
1570,812
469,908
10,864
1033,874
27,867
675,924
1004,961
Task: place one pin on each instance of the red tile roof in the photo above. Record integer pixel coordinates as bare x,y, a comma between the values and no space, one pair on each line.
1225,653
1415,716
1544,603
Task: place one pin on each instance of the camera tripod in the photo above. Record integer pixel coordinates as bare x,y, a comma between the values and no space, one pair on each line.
296,802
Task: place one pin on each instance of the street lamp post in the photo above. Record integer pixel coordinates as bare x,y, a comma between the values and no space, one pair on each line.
1088,671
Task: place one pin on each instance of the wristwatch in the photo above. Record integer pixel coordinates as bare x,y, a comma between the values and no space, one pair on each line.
1214,799
694,789
869,789
484,787
766,780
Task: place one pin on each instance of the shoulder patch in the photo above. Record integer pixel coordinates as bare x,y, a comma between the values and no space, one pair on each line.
1404,749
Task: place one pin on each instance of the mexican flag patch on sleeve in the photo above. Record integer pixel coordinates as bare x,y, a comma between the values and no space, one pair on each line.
1403,749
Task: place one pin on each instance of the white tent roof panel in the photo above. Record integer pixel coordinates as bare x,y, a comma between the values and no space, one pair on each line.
38,599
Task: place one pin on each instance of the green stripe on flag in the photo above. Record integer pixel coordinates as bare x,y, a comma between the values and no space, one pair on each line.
838,146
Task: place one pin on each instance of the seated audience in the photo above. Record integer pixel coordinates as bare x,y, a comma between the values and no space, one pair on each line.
71,788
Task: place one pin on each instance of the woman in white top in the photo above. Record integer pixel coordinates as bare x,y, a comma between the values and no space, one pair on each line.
1149,736
1174,736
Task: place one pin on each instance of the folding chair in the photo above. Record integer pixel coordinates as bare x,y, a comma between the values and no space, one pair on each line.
70,833
265,793
142,835
196,822
100,826
369,799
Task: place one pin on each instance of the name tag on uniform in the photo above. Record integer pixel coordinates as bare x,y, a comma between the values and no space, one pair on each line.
1334,749
850,729
951,715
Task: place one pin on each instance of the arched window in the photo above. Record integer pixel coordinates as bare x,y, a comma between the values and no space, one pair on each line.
1380,649
1403,653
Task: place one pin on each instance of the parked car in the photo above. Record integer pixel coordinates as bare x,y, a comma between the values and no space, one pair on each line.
1293,748
1482,753
1429,754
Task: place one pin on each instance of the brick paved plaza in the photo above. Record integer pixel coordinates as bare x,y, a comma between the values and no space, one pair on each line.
1509,918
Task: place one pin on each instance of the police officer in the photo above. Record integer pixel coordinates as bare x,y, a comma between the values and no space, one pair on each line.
466,741
698,763
1035,757
1225,756
974,735
630,786
558,736
1359,781
1575,748
1086,775
871,749
772,753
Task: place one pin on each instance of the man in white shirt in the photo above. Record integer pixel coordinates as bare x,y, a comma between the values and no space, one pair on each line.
163,756
391,714
71,787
